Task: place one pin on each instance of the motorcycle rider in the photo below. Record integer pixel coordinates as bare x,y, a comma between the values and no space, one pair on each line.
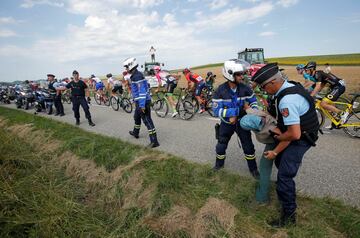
228,104
141,96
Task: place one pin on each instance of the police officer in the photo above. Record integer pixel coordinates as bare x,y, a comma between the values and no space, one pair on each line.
294,109
78,88
56,95
228,103
141,96
52,92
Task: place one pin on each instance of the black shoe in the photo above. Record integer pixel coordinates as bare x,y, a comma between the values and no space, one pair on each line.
255,173
77,122
56,114
217,167
153,145
91,123
62,114
284,220
133,134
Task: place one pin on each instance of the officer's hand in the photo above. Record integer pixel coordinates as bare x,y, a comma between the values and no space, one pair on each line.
270,154
233,120
142,110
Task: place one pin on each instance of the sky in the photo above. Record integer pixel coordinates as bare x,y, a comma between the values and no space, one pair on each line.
38,37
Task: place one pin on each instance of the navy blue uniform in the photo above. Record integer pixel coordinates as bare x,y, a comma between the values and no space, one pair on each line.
57,98
228,103
142,98
78,98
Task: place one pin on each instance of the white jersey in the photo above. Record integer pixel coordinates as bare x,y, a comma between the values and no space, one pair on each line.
97,80
114,82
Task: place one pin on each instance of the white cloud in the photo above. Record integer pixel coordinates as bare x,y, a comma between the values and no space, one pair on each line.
287,3
7,20
267,33
95,22
234,16
266,24
6,33
216,4
169,20
32,3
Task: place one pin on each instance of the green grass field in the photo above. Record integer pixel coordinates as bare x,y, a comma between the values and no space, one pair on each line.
57,180
340,59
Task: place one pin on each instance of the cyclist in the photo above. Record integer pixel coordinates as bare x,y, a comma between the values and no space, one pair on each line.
336,85
171,84
141,95
198,84
310,82
99,85
116,85
228,104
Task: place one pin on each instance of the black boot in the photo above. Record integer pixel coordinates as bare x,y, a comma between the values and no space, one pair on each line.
90,122
219,164
153,141
284,220
134,134
255,173
77,122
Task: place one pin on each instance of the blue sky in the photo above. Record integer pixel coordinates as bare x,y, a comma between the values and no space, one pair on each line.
42,36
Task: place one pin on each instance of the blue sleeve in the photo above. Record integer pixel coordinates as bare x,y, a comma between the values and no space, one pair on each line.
143,89
220,107
292,107
251,99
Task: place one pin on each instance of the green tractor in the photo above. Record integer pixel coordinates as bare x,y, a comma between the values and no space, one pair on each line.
149,73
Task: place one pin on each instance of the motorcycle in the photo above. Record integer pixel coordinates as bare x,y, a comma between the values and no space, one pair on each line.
25,98
4,96
44,101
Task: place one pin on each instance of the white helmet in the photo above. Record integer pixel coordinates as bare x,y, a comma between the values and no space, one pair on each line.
234,66
130,63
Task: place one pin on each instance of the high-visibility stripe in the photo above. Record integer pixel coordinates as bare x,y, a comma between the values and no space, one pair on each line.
224,113
250,157
222,157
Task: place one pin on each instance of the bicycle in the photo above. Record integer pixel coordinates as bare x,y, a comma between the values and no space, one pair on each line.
352,122
121,101
206,98
101,97
185,108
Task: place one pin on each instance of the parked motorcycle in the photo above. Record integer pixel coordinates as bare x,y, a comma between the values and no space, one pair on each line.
4,96
25,98
44,102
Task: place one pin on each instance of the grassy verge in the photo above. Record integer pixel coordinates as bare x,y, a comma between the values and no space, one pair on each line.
60,181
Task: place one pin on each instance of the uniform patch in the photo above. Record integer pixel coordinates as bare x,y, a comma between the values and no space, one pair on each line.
285,112
215,104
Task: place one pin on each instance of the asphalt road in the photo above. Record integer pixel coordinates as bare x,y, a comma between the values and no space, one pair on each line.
332,168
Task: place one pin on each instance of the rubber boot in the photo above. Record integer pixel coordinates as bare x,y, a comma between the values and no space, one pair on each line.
153,141
90,122
77,121
285,219
219,164
135,133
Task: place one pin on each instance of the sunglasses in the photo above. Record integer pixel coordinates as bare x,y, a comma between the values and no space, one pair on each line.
263,86
239,74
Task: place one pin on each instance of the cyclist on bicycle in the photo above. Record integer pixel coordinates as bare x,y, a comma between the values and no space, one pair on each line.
310,82
171,84
99,85
336,85
198,84
115,84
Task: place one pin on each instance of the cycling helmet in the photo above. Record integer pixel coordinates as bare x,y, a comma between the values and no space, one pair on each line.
157,68
233,66
300,66
186,70
310,65
109,75
130,64
92,76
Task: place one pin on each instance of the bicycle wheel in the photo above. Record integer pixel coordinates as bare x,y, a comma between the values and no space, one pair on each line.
114,102
321,117
126,105
185,109
353,131
161,108
106,100
356,100
97,98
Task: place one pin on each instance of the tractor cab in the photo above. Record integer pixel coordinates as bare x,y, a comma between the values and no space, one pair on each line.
252,55
149,68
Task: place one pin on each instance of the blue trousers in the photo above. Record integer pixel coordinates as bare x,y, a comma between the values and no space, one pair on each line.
77,101
288,163
146,118
225,133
